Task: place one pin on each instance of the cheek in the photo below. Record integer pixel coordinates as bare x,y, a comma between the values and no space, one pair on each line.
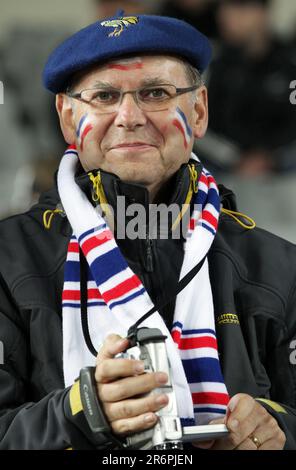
84,130
180,123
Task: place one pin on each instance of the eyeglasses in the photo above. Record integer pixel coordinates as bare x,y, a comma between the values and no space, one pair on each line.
150,98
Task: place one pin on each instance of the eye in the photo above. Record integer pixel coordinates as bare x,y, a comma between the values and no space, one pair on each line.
105,96
154,94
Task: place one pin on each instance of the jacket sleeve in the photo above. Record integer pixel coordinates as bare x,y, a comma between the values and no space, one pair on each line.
48,424
281,403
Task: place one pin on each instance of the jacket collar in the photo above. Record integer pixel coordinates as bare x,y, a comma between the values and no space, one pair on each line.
174,191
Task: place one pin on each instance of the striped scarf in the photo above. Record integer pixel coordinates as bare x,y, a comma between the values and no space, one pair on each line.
116,298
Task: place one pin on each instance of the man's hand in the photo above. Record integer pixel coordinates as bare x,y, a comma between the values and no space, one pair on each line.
120,386
251,427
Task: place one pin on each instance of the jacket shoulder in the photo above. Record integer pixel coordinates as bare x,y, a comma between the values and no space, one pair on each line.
27,248
259,257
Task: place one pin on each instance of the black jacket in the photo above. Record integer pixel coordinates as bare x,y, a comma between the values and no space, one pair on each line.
252,275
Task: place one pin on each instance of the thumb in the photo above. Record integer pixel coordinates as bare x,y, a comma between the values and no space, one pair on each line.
113,344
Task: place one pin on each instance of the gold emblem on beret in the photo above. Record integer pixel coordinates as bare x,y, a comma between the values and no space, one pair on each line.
120,24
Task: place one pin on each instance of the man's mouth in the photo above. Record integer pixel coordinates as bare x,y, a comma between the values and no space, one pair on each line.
132,145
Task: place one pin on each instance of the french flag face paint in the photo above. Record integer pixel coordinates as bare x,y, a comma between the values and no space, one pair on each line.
127,65
181,123
84,127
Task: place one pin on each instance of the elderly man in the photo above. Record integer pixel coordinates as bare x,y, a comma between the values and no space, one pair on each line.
131,102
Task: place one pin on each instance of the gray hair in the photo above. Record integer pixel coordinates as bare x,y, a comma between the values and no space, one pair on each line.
193,75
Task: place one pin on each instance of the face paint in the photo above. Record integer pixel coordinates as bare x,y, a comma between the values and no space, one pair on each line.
181,123
84,127
126,65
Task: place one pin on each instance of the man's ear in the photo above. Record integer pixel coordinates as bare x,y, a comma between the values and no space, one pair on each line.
65,112
201,114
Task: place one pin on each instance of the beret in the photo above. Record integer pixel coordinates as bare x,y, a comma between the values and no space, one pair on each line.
120,36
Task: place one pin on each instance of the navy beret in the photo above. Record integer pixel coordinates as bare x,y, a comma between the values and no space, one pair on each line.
120,36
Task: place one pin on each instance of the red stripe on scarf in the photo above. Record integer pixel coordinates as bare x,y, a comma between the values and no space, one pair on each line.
73,247
96,241
176,335
199,342
208,217
210,398
75,294
122,288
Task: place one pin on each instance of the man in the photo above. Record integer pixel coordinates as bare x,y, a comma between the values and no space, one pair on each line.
131,101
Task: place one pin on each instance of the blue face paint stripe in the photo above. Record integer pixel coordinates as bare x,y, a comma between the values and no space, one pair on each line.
188,128
81,124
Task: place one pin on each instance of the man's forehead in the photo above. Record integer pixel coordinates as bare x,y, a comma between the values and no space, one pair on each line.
151,64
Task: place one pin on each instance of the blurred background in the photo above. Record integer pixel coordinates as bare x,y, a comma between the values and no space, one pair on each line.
251,142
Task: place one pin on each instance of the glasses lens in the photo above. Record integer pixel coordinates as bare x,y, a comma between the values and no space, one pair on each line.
106,100
155,98
152,98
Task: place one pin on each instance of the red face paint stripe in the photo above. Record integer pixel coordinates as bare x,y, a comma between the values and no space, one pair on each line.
178,125
125,67
85,132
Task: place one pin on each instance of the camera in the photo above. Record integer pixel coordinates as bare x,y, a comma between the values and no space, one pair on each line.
148,345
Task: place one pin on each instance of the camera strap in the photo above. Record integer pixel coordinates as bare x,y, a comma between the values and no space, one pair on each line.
131,332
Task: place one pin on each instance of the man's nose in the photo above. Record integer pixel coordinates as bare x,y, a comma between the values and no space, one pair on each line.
129,114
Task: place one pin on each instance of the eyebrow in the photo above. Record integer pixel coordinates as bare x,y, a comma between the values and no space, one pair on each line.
145,82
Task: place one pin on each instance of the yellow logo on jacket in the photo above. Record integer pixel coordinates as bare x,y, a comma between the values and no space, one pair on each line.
228,318
120,24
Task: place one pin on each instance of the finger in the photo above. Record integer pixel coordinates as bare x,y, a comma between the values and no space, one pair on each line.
133,425
135,407
273,444
203,444
218,421
247,444
113,344
131,386
243,418
208,444
268,434
112,369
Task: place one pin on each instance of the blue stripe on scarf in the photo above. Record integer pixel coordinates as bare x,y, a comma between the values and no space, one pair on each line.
202,369
107,265
196,332
89,304
127,299
188,422
211,230
72,272
178,324
209,410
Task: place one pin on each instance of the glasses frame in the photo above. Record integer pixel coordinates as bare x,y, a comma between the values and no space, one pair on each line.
179,91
